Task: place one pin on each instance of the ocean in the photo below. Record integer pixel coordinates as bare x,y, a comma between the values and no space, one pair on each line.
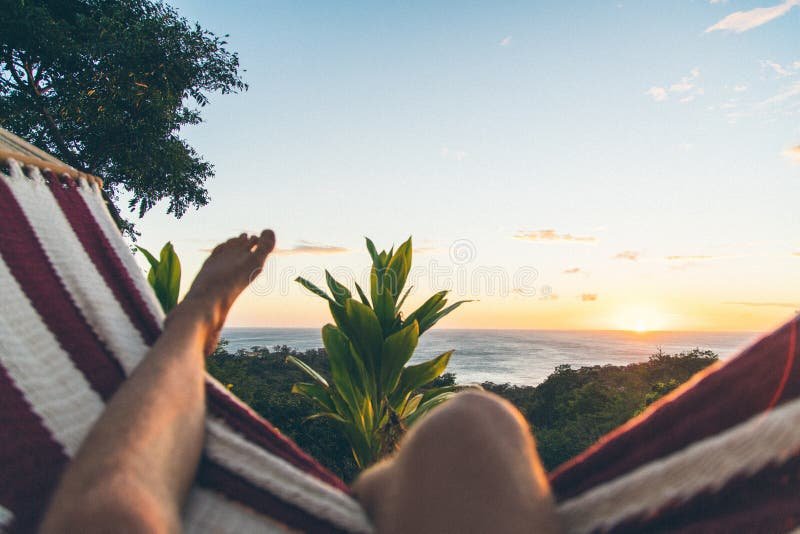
524,357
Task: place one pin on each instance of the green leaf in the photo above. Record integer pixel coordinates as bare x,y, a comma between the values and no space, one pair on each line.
382,299
415,376
316,393
168,277
397,269
300,364
343,368
427,406
373,253
313,288
366,335
361,295
411,406
397,350
339,317
402,299
329,415
340,293
433,319
164,276
434,303
150,258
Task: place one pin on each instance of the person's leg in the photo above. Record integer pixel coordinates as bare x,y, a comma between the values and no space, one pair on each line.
469,466
136,465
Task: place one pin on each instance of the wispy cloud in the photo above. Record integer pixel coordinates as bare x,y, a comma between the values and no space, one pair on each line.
659,94
766,304
776,67
573,270
742,21
790,92
307,247
792,154
505,41
630,255
740,88
551,235
589,297
686,88
695,257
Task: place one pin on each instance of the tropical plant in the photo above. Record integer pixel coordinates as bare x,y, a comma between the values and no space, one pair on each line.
373,395
164,276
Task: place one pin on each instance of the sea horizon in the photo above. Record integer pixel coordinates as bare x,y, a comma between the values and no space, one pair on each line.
519,356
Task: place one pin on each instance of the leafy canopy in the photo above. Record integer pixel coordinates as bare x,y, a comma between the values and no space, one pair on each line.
373,395
106,85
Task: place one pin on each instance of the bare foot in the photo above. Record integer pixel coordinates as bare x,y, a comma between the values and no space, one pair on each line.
229,269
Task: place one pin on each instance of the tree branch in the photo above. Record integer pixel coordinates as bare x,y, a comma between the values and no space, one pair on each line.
69,157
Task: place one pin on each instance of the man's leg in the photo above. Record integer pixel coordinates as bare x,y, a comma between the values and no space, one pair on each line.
470,466
136,465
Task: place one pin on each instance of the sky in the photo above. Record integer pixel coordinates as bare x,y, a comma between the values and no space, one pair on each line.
566,165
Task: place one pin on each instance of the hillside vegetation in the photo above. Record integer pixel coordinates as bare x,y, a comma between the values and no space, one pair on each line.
567,412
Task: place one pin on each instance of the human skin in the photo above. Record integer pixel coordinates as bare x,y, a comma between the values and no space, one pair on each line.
134,469
469,466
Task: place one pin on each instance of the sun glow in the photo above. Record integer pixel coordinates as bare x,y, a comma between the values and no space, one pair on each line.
641,320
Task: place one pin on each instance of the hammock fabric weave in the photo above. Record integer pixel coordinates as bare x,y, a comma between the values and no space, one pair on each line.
720,454
76,318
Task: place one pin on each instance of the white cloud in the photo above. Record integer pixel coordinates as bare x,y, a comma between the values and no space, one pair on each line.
792,91
505,41
779,69
551,235
630,255
308,247
659,94
792,154
685,85
740,88
717,1
741,21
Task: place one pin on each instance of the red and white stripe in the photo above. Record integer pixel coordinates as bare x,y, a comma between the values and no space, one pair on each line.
707,466
721,454
77,317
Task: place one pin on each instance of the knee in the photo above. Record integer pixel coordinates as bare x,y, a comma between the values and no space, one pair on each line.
482,419
479,411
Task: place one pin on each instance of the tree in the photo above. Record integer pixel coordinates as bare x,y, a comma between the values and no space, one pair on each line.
106,85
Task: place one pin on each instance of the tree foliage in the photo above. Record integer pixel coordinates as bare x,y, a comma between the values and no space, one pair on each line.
568,412
106,85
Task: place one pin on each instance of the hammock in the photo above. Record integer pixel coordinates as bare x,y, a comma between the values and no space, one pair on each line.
720,454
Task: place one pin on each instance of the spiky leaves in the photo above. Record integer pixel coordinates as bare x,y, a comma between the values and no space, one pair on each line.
373,394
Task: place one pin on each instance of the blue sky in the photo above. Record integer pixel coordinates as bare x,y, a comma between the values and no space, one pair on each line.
641,164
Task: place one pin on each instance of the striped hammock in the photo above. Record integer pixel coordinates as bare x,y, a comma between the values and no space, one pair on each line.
720,454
